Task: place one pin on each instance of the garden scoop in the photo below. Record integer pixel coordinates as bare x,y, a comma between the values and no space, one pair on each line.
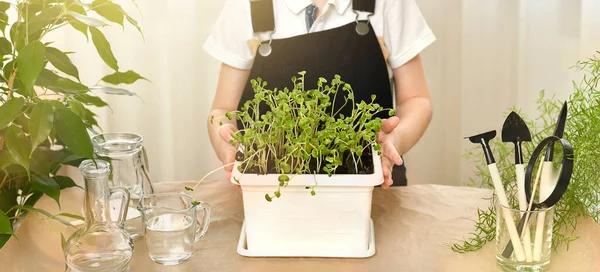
484,140
515,131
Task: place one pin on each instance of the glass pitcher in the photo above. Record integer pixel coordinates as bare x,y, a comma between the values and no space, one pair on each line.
101,244
129,163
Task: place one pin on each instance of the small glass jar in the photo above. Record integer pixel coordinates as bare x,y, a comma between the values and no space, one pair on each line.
535,238
101,244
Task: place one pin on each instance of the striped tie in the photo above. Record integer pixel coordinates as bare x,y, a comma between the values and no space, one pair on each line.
311,11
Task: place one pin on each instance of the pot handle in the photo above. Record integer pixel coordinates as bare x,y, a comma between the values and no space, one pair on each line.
124,204
202,225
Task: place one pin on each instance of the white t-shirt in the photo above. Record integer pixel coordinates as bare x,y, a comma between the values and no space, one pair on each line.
399,24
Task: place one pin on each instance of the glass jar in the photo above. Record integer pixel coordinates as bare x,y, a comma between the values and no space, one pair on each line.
129,163
101,244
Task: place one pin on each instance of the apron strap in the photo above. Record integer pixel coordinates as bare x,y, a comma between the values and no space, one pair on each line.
263,18
364,5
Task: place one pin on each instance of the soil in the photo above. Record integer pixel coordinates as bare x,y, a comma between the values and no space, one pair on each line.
364,167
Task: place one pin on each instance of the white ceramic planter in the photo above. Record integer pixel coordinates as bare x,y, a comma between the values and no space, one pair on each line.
336,222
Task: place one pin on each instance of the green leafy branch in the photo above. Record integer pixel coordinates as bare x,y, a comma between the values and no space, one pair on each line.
45,108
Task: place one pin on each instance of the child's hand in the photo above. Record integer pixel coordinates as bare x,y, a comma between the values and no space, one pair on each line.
389,153
227,150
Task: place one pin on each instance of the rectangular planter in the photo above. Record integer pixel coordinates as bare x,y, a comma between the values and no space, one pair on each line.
336,222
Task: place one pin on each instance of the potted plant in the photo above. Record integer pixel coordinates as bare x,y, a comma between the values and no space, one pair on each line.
307,171
582,197
45,116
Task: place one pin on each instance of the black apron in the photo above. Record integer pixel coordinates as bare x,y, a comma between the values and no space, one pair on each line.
358,60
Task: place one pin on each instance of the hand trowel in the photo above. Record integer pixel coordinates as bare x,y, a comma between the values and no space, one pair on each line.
484,140
515,131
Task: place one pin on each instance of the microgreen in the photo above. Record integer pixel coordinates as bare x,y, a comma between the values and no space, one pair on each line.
582,198
302,131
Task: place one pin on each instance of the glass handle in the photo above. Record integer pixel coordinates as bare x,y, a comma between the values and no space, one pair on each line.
202,228
124,204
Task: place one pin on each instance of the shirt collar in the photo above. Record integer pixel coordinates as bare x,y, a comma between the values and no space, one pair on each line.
296,6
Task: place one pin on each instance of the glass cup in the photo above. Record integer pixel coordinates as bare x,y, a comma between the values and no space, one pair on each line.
129,167
173,223
537,248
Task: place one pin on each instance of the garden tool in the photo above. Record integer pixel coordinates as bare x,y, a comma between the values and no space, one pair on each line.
515,131
484,139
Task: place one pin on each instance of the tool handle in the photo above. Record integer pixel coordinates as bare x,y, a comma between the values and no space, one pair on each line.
520,173
547,185
510,222
539,237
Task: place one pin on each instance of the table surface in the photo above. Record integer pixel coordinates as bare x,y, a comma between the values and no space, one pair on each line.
413,227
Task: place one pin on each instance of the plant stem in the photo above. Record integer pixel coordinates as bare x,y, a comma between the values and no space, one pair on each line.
11,81
3,181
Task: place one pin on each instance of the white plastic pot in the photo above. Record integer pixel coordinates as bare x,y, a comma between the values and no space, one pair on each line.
335,222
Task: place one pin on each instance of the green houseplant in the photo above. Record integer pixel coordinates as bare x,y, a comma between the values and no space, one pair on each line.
582,130
293,140
301,131
45,116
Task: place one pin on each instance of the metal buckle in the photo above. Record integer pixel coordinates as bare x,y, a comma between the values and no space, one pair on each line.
265,49
362,28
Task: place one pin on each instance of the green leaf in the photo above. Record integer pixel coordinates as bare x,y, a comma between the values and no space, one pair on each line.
4,6
5,159
47,79
47,214
62,62
74,22
69,86
41,161
18,145
195,203
90,100
77,108
40,123
109,10
3,239
18,35
33,198
89,21
103,47
268,198
46,17
72,132
3,20
134,23
5,46
65,182
57,105
5,226
52,81
30,62
128,77
9,199
70,215
63,242
283,178
10,110
114,91
189,189
48,186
